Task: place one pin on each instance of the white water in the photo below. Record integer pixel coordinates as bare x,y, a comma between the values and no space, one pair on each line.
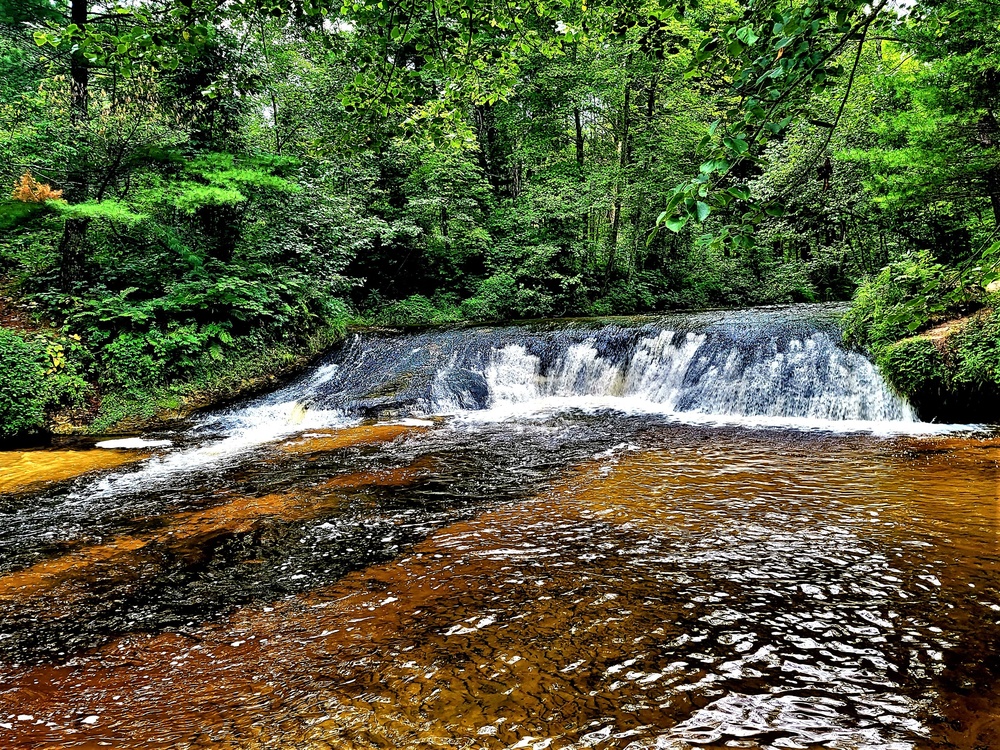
746,368
812,383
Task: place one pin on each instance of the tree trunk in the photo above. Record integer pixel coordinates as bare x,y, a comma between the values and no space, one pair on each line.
993,181
77,179
619,186
490,157
579,139
264,44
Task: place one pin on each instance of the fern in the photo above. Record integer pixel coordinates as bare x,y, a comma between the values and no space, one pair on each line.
107,210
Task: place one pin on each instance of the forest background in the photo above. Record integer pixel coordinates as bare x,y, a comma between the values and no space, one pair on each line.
200,193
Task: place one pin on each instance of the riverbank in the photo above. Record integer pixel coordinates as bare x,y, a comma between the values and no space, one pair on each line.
951,371
56,385
934,332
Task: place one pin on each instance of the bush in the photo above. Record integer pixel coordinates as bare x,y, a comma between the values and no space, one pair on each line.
909,295
22,372
914,367
129,364
976,351
417,310
253,361
38,373
494,299
627,297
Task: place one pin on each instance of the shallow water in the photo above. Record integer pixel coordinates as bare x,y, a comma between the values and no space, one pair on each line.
705,532
577,581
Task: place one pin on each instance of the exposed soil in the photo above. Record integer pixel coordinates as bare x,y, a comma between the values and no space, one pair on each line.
14,316
940,333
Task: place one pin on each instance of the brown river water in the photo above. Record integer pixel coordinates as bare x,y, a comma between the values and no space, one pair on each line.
684,587
556,560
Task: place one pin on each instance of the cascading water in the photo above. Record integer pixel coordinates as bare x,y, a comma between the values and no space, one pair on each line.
779,366
735,366
590,522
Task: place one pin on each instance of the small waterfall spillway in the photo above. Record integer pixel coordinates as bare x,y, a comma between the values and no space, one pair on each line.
772,367
763,366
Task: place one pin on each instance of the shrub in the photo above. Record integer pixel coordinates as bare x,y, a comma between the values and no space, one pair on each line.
494,299
913,293
37,374
976,352
891,306
417,310
22,373
914,367
29,190
129,364
626,297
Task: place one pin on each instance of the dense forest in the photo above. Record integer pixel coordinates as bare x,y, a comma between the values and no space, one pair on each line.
201,193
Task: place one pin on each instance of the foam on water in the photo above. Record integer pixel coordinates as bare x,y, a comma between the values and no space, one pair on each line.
693,377
228,435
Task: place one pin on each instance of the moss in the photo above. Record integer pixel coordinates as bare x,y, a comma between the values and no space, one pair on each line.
13,213
393,387
951,373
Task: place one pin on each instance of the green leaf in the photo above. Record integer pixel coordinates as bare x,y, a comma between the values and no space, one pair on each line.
747,35
677,223
675,200
737,145
703,210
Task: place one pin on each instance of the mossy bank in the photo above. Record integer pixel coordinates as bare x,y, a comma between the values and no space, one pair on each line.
950,373
934,332
53,384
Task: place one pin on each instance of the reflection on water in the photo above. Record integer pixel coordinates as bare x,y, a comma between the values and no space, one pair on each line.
21,469
580,582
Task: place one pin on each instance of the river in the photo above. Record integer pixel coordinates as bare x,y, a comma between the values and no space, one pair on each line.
695,531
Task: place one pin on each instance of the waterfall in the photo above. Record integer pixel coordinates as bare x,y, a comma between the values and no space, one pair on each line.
742,366
781,367
700,374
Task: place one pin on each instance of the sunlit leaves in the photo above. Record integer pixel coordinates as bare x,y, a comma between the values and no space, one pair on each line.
776,60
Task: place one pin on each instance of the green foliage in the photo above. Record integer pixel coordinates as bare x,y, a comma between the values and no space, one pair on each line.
106,210
13,213
22,371
496,298
914,367
130,366
243,172
911,293
780,64
134,396
954,374
975,350
888,308
39,373
417,310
